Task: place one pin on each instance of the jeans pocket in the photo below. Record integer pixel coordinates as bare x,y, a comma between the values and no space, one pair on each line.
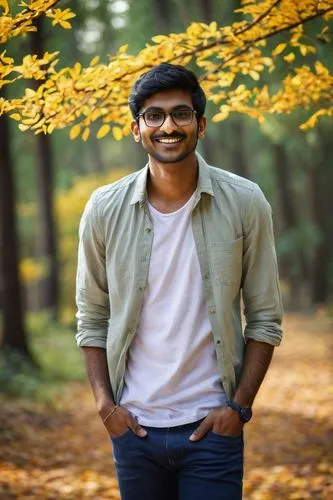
124,436
226,438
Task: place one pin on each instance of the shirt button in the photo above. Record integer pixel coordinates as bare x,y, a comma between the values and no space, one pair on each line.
218,342
206,276
148,229
140,288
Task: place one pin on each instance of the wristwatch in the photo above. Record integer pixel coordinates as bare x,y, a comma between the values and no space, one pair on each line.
245,413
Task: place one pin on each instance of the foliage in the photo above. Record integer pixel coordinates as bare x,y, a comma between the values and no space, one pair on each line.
229,57
17,374
58,362
12,25
69,207
32,269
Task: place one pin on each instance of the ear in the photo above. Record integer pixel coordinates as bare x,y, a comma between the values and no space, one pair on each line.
202,127
136,131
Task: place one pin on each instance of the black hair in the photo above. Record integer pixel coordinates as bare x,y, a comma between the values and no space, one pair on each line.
163,77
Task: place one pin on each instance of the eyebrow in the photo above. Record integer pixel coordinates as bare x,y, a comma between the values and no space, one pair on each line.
157,108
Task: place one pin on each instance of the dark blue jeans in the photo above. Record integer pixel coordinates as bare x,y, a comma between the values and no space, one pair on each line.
165,465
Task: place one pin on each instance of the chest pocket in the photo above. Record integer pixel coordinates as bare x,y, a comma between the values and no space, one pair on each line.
226,261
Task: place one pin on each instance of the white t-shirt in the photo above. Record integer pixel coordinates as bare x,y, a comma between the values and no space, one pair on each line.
172,375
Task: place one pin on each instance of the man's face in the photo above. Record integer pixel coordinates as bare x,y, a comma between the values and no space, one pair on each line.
169,142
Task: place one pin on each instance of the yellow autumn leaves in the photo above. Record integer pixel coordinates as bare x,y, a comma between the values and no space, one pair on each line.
15,25
76,130
232,60
61,17
105,129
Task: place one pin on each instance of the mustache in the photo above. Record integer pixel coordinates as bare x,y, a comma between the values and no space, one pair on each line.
174,135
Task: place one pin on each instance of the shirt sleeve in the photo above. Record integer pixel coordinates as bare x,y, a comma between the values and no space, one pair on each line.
260,280
92,298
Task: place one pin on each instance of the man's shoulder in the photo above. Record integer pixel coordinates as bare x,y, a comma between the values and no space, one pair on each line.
231,181
246,194
115,189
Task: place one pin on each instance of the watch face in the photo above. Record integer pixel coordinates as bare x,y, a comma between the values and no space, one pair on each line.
246,414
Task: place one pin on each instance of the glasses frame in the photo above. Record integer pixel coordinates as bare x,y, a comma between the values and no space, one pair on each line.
193,111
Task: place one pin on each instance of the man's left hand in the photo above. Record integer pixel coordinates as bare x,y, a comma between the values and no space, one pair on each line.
223,421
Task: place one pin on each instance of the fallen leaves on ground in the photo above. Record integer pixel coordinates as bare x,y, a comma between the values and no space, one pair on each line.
63,452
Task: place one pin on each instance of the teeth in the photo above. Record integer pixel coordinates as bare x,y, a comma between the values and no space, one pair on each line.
168,140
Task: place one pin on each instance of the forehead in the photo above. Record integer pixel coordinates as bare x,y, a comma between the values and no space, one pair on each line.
168,99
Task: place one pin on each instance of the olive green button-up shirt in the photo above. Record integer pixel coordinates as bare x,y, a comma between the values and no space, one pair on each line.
232,230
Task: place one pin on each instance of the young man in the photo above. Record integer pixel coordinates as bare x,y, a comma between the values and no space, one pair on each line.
164,255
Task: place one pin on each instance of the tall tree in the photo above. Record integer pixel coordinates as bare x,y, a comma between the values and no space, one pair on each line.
238,152
45,180
320,189
288,223
163,15
13,332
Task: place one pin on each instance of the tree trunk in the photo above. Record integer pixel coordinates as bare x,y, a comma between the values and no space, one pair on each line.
45,182
319,196
96,153
288,221
162,15
208,148
239,163
14,336
207,11
282,174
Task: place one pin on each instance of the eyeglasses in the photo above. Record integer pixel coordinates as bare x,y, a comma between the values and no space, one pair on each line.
180,117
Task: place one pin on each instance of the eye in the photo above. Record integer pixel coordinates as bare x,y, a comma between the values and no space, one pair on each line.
154,116
182,114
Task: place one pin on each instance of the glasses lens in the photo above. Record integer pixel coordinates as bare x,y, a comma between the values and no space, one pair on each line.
153,118
182,116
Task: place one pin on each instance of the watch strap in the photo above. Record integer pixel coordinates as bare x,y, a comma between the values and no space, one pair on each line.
245,413
235,406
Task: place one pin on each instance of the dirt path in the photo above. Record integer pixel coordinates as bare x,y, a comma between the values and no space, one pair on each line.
64,453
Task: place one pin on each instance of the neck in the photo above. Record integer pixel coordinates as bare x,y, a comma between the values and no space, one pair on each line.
170,185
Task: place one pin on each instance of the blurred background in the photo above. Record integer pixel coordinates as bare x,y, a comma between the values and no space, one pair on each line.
52,443
52,177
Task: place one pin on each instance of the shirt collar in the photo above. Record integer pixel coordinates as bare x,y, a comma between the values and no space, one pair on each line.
140,191
204,179
204,182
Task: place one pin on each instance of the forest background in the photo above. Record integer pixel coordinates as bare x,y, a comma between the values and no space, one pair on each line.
45,181
51,177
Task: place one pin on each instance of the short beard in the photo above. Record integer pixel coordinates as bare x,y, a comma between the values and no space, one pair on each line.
178,159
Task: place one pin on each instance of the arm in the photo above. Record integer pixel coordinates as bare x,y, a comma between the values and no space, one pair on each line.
226,421
97,371
257,358
263,311
260,279
93,315
120,420
92,297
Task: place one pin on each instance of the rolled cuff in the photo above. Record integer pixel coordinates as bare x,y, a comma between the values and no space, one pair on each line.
268,332
91,338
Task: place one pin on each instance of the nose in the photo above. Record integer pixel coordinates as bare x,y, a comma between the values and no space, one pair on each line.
169,125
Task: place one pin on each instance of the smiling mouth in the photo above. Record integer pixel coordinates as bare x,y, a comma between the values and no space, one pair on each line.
169,140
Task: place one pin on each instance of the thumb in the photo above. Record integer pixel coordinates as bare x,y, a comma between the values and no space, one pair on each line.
200,431
136,428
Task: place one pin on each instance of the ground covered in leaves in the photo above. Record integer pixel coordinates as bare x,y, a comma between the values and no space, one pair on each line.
61,451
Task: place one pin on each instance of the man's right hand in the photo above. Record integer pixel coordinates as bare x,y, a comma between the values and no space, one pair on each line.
120,421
